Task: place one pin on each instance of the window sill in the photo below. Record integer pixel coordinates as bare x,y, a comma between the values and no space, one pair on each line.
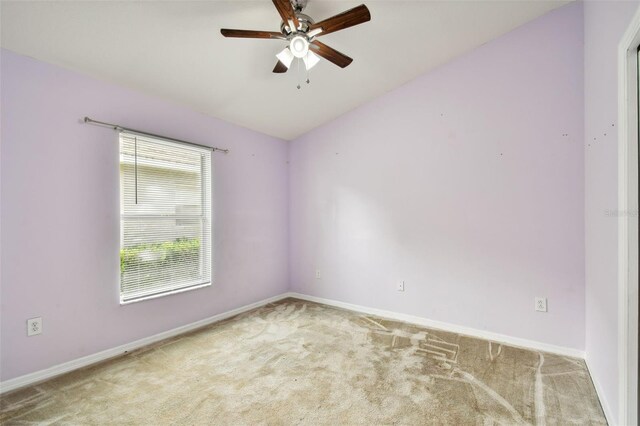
164,293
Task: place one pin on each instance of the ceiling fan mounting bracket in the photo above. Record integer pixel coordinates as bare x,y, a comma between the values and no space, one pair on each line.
299,5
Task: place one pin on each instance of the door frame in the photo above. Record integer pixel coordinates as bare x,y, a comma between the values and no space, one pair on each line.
628,223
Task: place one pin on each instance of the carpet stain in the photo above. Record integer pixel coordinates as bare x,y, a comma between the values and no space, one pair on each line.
295,362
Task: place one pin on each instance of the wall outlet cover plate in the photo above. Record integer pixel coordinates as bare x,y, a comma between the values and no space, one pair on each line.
34,326
541,304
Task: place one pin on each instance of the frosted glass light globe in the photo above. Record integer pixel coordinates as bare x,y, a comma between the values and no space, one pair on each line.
299,46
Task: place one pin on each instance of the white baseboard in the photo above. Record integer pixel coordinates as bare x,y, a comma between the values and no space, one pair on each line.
482,334
48,373
56,370
601,395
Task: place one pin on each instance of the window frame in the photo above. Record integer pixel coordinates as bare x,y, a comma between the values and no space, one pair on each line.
205,218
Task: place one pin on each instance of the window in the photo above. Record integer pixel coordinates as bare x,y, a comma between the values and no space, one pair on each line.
165,207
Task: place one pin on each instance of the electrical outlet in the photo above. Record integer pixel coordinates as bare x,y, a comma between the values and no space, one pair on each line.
318,276
34,326
400,285
541,304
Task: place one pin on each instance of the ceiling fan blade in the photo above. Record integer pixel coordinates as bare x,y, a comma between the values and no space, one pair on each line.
250,34
351,17
286,12
280,68
330,54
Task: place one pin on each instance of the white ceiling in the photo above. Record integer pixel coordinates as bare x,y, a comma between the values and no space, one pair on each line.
174,49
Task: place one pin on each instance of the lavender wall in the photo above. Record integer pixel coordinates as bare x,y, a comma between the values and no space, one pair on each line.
467,183
60,217
604,25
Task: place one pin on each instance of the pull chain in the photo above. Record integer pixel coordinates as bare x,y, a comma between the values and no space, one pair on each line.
135,167
299,75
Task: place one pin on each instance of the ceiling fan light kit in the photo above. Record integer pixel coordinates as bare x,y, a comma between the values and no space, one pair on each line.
285,57
310,60
301,32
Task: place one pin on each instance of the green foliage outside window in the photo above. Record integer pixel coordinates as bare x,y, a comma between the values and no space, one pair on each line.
159,254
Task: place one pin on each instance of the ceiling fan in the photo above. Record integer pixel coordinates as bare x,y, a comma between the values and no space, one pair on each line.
301,32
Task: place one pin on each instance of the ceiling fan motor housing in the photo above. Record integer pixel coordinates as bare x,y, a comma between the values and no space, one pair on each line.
305,22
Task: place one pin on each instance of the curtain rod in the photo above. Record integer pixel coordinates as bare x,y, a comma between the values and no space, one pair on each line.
127,129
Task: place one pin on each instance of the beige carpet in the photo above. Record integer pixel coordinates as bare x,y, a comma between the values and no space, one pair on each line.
296,362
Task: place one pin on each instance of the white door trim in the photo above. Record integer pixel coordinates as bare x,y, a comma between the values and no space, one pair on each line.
628,222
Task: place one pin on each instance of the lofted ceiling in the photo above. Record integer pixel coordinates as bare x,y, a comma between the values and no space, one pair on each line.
174,49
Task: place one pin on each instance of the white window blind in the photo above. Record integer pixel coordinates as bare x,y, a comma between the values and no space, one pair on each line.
165,206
